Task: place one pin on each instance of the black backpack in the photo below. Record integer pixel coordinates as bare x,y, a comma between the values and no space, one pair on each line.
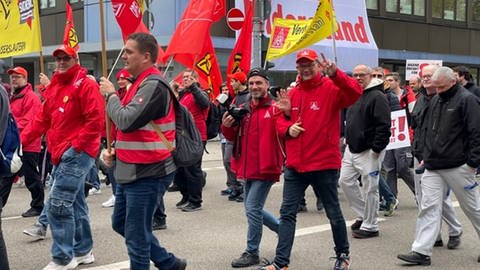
214,120
189,147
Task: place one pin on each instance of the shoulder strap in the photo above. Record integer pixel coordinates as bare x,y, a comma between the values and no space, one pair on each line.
162,136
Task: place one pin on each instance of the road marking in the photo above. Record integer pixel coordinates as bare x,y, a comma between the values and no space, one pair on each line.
113,266
323,228
213,168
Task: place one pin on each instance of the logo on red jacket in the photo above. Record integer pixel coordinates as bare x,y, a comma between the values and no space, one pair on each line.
314,106
267,115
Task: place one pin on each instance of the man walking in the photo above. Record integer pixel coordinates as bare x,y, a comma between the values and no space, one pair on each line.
258,160
451,155
24,105
367,134
72,118
144,166
311,123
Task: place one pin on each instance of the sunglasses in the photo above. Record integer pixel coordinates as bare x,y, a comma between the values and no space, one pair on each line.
377,75
64,58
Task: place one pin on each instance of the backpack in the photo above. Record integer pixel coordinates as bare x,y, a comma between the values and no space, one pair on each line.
10,150
189,147
214,120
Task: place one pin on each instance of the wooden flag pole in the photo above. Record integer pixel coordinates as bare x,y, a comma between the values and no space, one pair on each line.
104,73
115,64
333,33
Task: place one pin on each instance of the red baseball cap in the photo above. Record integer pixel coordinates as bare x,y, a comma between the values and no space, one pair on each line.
239,76
67,50
308,54
123,73
18,70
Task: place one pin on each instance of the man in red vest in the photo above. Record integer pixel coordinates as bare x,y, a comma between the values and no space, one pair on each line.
144,166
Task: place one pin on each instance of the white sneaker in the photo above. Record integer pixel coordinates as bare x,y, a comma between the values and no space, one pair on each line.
94,191
110,202
54,266
86,259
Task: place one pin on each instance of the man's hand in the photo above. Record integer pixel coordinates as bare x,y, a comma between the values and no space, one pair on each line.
108,157
329,67
283,103
227,120
295,129
106,86
44,80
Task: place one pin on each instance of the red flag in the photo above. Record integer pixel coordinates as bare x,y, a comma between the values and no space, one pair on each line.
240,58
193,29
70,37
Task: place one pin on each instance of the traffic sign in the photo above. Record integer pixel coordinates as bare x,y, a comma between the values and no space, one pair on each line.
235,19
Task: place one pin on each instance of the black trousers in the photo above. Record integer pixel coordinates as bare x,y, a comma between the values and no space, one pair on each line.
189,181
32,181
3,248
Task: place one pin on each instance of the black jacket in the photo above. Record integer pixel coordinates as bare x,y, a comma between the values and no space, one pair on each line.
474,89
418,122
368,121
453,131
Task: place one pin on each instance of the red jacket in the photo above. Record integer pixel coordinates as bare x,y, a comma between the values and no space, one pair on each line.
24,106
317,103
257,154
199,115
72,115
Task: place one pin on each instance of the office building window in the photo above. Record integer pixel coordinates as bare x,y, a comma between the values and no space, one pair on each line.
476,10
454,10
408,7
372,4
47,3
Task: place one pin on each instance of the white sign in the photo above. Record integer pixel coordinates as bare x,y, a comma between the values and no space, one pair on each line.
354,41
400,137
414,67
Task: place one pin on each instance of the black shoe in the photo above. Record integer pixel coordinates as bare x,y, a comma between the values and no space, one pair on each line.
182,203
356,225
159,225
438,243
342,263
302,208
362,234
190,207
415,258
32,212
233,196
239,198
319,205
173,188
180,264
226,192
454,241
246,260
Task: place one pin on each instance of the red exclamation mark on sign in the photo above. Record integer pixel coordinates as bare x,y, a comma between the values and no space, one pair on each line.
401,128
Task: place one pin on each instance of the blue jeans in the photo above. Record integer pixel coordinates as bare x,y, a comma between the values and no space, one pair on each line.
325,183
132,216
384,191
67,208
256,192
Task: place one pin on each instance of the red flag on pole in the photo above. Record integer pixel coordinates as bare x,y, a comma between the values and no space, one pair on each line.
70,37
193,29
240,58
129,17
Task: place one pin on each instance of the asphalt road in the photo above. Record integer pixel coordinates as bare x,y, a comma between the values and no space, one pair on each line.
209,239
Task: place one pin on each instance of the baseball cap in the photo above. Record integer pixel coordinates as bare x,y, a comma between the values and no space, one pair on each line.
18,70
308,54
67,50
258,72
123,73
239,76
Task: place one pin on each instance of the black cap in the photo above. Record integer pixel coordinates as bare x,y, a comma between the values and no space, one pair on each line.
258,72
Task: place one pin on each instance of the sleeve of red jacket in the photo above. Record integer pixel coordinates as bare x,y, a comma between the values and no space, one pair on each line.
230,133
349,89
37,127
93,110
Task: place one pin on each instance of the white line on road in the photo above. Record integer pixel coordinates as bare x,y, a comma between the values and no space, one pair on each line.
113,266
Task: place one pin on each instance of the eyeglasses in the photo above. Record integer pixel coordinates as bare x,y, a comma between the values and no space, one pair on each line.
426,77
359,75
64,58
309,65
16,76
377,76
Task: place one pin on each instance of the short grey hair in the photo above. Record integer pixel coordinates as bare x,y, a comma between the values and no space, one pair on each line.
445,72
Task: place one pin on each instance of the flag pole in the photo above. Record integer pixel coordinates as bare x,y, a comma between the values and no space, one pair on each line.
104,72
168,64
116,61
333,33
42,63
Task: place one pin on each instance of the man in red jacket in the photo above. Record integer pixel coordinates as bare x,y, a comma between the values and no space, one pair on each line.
257,159
24,105
72,117
311,122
